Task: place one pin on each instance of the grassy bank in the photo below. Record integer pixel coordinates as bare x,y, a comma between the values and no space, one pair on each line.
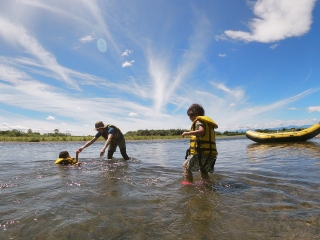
44,138
75,138
84,138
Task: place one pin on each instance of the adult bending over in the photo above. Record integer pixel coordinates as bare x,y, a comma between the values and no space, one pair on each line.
113,137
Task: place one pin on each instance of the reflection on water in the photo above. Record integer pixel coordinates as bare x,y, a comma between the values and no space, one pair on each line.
258,191
293,148
297,149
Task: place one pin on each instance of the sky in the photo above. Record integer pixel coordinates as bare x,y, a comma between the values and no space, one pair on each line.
140,64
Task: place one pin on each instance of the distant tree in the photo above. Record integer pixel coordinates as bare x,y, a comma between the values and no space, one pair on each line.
56,131
16,133
29,130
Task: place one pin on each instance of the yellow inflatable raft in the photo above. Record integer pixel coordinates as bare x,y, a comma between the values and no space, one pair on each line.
297,136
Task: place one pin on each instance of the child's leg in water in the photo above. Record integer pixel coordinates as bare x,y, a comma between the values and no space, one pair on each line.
204,176
187,175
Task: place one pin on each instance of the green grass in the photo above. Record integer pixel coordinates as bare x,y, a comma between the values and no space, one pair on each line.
45,138
84,138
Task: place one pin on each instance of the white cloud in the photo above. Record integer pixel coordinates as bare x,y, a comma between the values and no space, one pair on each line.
17,127
168,76
68,130
282,123
86,39
166,82
127,53
17,35
274,46
50,118
277,20
242,113
127,64
314,109
237,93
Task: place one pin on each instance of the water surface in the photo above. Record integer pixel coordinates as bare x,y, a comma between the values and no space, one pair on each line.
258,191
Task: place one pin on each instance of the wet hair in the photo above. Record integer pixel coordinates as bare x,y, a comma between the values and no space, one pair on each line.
63,154
195,110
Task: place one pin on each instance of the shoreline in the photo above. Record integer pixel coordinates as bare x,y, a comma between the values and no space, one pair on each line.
127,140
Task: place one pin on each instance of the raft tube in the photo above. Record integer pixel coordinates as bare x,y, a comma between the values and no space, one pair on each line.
297,136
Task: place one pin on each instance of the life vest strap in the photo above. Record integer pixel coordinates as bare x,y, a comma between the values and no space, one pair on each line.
187,153
202,149
206,149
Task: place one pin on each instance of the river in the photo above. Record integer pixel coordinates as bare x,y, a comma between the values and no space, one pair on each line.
258,191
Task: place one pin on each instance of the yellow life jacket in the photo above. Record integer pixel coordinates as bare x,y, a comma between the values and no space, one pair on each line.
205,145
65,161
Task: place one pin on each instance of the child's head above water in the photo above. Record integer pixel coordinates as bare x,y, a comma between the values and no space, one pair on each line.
195,110
64,154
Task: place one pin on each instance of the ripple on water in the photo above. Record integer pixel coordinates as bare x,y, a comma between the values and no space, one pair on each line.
256,192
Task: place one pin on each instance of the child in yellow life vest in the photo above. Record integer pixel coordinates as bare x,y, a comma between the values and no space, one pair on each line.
65,159
202,153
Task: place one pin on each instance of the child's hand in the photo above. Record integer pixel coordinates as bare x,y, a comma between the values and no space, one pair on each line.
184,134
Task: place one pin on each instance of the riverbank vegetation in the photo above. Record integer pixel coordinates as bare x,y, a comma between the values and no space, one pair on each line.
30,136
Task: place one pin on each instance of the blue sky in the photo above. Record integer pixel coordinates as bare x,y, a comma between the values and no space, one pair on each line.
140,64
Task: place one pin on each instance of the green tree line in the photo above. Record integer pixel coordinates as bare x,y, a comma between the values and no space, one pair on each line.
146,134
18,133
173,132
30,136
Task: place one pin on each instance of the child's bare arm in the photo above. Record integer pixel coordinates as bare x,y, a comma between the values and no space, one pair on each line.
200,132
77,158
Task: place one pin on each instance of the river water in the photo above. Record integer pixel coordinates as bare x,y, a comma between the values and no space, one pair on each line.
258,191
